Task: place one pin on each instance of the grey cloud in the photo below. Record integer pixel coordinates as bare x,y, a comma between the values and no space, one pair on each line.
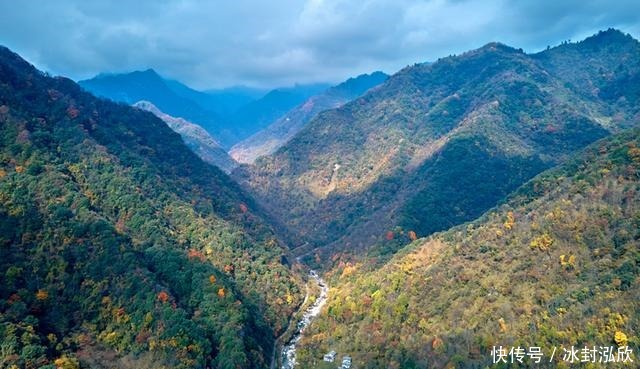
280,42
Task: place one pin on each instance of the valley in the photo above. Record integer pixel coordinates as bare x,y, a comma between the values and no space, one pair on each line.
417,219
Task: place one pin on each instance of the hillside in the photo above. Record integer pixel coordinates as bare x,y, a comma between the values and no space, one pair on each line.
119,247
195,137
278,133
439,144
257,115
557,265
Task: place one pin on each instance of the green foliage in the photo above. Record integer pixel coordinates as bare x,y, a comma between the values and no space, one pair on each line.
110,231
439,144
445,300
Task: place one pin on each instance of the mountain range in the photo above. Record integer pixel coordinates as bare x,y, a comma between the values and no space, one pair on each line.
555,266
269,139
196,138
485,199
439,144
229,115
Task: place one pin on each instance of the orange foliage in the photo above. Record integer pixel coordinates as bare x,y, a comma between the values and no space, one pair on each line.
195,254
19,168
42,295
413,236
212,279
437,343
163,297
221,292
229,268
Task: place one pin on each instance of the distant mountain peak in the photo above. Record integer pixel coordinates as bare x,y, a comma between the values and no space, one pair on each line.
498,46
611,35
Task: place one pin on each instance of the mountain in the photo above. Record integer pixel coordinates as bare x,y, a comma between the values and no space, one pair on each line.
119,247
258,114
195,137
283,129
230,99
224,102
171,97
439,144
557,265
229,115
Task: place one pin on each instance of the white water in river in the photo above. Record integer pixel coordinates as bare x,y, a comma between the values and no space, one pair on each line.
289,349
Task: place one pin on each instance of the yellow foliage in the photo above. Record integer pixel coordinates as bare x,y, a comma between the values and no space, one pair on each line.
289,299
42,295
634,154
347,271
568,262
503,325
423,324
510,221
65,362
620,338
542,243
19,168
52,338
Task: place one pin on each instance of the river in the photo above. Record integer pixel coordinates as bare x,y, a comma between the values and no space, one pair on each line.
289,349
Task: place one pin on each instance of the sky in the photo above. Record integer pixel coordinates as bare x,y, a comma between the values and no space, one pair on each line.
271,43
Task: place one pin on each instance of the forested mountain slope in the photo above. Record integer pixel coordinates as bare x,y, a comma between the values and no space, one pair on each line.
196,138
438,144
119,247
557,265
271,138
258,114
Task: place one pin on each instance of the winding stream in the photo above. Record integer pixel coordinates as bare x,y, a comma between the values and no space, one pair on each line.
289,349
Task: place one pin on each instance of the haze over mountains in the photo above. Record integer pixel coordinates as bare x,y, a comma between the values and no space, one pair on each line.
488,198
269,139
229,115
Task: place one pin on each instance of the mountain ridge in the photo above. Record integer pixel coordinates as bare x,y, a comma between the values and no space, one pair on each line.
271,138
385,160
196,138
119,246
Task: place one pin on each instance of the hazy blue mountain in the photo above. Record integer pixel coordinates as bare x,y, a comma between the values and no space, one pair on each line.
230,99
271,138
223,102
172,98
258,114
229,114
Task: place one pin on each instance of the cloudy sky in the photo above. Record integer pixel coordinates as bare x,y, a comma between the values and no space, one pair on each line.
270,43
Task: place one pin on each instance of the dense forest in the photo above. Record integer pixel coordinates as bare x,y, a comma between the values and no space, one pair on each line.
440,143
485,199
121,248
557,265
